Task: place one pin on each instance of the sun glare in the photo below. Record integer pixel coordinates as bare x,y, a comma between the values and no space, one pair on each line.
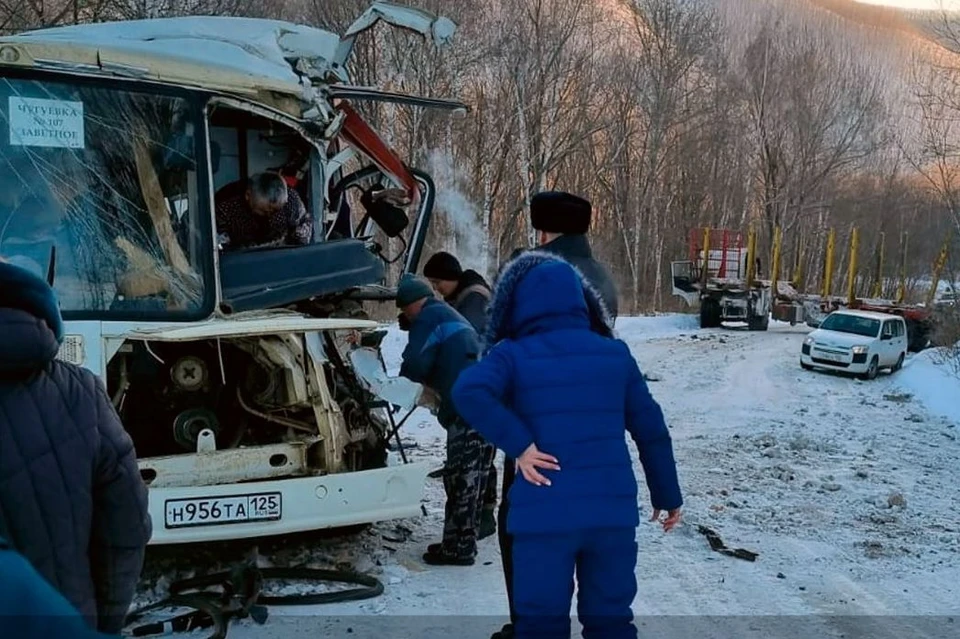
916,4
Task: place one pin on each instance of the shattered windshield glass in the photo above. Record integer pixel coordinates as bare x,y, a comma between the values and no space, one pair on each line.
109,178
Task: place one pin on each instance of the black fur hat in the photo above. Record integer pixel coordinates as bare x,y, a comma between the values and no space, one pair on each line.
560,212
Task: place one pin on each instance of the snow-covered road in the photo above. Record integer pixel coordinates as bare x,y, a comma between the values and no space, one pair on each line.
848,490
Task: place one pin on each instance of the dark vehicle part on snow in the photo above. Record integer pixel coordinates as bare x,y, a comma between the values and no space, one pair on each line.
717,545
241,595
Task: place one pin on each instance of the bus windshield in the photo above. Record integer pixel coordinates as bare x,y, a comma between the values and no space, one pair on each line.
109,177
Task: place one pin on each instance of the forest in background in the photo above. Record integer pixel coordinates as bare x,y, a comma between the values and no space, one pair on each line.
668,115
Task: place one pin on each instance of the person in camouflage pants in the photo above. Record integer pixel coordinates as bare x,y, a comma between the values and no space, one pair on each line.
469,458
443,344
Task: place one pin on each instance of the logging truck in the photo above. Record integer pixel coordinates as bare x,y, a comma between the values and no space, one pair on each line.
722,275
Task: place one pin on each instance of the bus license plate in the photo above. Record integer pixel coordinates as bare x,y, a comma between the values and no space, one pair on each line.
232,509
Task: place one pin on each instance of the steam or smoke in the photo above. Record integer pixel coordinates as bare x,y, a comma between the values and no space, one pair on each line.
463,216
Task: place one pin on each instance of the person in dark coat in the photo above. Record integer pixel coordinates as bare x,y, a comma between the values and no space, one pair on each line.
563,221
442,345
30,608
468,293
558,394
71,498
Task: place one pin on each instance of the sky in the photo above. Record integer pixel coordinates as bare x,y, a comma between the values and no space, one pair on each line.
916,4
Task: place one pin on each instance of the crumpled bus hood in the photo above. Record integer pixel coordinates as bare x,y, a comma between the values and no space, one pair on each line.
245,56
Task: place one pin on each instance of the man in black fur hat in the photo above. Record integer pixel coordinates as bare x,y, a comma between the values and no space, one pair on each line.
563,221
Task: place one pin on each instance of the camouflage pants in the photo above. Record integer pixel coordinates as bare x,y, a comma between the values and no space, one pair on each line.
465,481
490,493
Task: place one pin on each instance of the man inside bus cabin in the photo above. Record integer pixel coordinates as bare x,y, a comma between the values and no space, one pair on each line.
443,344
267,213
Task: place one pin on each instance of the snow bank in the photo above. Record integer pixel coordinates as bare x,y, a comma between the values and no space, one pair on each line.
932,383
629,329
638,329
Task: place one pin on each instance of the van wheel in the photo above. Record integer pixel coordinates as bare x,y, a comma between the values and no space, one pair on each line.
873,369
898,365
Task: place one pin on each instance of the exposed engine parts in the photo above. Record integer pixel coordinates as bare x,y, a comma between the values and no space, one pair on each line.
188,425
180,398
189,373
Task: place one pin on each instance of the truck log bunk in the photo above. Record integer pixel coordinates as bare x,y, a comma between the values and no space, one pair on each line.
723,275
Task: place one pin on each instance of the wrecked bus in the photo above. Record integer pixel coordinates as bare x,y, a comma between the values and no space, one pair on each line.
250,380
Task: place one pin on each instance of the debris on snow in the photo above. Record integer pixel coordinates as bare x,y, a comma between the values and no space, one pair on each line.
716,544
897,500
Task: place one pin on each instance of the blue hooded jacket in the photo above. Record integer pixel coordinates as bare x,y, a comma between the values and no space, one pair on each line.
30,608
554,375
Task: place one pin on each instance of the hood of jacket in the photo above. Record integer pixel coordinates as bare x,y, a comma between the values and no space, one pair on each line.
31,328
538,292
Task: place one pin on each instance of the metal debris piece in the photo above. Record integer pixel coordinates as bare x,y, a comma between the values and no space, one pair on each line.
717,545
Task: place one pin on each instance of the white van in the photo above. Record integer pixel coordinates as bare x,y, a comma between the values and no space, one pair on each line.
858,342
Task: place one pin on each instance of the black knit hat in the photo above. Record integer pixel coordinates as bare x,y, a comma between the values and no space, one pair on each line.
560,212
443,266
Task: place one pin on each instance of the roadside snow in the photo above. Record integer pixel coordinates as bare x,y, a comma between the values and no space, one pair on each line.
846,489
638,329
933,383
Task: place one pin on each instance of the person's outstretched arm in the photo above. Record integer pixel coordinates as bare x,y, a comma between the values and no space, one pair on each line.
121,520
648,429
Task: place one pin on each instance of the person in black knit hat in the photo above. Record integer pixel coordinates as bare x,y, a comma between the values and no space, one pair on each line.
468,293
465,290
563,221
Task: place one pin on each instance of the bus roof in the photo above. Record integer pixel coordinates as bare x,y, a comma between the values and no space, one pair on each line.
279,64
244,56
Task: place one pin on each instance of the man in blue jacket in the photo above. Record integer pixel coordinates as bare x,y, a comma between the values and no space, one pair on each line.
469,294
442,344
558,393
